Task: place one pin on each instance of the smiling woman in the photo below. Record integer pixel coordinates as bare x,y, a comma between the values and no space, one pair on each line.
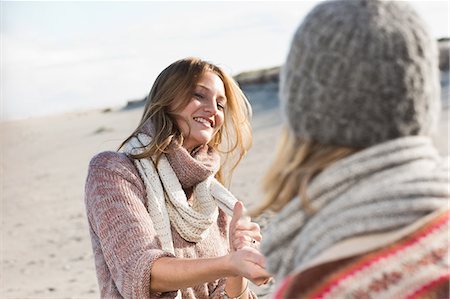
204,114
162,224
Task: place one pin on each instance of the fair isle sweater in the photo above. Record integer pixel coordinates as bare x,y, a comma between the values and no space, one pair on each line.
414,267
124,240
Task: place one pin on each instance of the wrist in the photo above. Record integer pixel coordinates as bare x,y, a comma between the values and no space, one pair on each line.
235,288
228,266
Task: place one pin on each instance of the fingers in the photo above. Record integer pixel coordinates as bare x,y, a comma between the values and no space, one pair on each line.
251,264
245,235
252,255
244,241
240,222
243,232
246,238
246,225
238,212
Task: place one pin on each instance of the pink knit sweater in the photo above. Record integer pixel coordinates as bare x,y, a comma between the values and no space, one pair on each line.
123,237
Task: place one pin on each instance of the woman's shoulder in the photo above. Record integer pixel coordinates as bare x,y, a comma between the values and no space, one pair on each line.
112,162
109,157
421,254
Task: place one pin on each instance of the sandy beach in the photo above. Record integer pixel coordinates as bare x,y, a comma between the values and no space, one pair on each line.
46,250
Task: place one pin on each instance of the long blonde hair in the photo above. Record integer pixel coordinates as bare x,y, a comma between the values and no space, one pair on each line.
174,87
296,163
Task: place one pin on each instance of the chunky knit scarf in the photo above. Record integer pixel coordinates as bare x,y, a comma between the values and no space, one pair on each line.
166,199
384,187
192,168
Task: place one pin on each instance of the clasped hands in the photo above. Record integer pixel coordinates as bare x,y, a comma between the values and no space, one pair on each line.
244,238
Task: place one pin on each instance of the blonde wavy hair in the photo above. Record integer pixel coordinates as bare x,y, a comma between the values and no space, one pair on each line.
296,163
174,87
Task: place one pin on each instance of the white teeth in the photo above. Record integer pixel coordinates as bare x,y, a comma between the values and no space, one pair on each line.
202,120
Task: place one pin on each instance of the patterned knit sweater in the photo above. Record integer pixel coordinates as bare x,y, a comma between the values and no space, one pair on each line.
124,241
415,267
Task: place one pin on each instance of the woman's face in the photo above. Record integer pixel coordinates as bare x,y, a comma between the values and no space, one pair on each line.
204,114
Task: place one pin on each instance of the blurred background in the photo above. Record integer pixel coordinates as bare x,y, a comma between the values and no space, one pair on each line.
61,56
73,79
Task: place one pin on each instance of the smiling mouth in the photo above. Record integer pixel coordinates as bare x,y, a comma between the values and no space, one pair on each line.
205,121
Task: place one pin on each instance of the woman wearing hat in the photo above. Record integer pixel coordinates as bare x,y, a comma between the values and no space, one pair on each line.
361,194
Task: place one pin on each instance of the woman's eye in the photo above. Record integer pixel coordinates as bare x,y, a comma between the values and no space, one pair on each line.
199,95
220,106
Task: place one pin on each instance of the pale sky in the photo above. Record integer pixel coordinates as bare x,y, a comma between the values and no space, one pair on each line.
64,56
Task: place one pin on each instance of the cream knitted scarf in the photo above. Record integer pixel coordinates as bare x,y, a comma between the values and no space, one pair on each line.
384,187
167,202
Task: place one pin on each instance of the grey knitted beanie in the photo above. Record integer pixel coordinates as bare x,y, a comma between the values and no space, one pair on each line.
360,72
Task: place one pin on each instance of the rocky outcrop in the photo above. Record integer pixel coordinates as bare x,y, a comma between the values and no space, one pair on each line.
444,54
133,104
269,75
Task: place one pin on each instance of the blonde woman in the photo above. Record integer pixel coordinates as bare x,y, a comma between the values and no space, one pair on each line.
360,192
161,222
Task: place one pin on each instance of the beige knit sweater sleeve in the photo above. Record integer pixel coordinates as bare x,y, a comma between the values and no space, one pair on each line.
123,238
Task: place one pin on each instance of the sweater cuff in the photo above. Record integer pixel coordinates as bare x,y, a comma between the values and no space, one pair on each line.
141,287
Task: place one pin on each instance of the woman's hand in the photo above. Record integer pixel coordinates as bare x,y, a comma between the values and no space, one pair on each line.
243,232
248,262
244,237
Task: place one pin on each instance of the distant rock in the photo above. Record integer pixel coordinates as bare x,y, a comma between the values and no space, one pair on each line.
133,104
262,96
444,54
269,75
445,92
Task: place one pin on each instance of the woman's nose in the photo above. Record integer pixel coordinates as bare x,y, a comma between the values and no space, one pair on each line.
211,106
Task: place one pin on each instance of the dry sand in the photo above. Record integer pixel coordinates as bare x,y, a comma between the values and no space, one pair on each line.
45,244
